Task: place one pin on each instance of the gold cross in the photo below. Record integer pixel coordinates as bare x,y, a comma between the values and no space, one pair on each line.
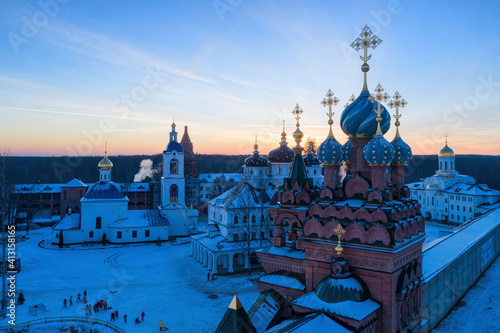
446,138
297,111
366,40
330,100
340,232
380,96
352,99
397,102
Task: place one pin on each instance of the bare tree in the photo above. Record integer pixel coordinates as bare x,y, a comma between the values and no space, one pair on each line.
250,209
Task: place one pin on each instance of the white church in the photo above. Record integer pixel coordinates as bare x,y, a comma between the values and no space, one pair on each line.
449,197
105,216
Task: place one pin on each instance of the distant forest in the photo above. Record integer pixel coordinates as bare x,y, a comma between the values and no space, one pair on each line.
62,169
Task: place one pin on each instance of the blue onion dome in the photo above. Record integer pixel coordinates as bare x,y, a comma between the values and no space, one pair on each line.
282,154
346,152
378,151
311,158
358,118
330,151
402,151
256,160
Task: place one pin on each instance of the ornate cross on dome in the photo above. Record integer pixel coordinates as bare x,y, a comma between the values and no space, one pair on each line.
297,135
330,100
340,232
446,139
352,99
379,96
397,102
297,111
366,40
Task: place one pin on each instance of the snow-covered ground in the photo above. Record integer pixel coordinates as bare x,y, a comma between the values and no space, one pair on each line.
163,281
479,310
432,230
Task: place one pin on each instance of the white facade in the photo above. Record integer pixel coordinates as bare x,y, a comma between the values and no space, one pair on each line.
450,197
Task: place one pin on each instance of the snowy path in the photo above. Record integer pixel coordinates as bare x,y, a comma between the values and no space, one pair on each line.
163,281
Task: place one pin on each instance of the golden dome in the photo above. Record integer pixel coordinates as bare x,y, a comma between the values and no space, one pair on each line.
446,152
105,163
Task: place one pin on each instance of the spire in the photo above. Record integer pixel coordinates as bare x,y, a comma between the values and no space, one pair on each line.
173,134
297,135
330,100
365,40
256,146
397,102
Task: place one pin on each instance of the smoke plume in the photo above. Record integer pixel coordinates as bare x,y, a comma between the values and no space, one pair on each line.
146,170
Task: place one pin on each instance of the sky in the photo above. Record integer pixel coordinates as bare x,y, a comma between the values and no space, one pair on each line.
76,74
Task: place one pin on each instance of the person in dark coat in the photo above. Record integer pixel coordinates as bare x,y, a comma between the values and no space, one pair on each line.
208,276
65,303
20,298
137,321
78,298
125,318
112,316
116,314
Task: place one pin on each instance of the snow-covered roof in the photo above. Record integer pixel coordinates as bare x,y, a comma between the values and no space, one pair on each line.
265,309
490,206
104,191
212,177
69,222
284,279
311,323
349,309
37,188
244,195
134,187
220,243
351,202
467,189
74,183
439,253
141,218
284,252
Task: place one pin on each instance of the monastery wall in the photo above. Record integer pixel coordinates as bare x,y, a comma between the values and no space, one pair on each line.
452,265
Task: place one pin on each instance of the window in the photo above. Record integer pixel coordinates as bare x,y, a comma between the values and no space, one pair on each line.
174,192
445,200
278,170
433,201
260,172
314,171
446,165
464,218
98,222
270,232
451,206
458,207
134,234
174,167
235,219
146,233
91,234
235,237
446,210
262,234
463,208
253,219
119,234
470,209
452,216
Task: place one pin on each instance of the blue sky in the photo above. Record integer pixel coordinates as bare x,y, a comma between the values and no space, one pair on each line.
232,69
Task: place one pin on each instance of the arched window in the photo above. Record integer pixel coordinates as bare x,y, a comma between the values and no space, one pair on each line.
253,219
174,167
98,222
446,165
278,170
174,193
236,219
251,172
91,234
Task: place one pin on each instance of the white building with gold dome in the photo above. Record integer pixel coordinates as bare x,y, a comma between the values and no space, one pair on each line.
105,217
448,196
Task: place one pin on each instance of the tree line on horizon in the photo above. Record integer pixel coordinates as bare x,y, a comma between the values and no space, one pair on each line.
32,170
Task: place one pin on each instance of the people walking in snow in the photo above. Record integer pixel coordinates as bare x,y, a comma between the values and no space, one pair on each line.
137,321
208,276
116,314
71,300
78,298
64,303
20,298
85,293
96,307
161,325
125,318
213,276
87,310
112,316
142,315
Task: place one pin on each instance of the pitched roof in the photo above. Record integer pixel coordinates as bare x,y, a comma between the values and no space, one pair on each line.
299,172
235,320
74,183
311,323
264,311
